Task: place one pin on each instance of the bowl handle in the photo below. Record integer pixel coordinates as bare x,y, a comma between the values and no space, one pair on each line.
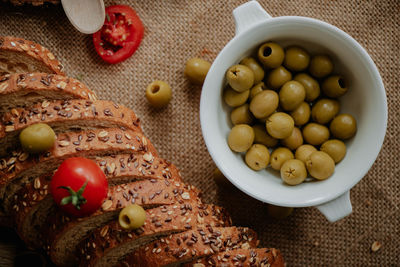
248,15
336,209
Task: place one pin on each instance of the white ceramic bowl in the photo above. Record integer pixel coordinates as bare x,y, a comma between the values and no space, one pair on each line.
365,100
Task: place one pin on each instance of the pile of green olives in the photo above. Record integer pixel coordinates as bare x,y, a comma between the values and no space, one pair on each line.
286,101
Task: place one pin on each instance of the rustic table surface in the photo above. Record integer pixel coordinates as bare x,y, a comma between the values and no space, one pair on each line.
180,29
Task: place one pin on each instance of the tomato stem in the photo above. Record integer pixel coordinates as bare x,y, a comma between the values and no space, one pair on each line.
75,198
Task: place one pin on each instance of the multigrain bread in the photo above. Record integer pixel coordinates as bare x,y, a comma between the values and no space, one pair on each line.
107,245
32,204
24,90
263,257
66,232
63,116
177,249
22,56
21,167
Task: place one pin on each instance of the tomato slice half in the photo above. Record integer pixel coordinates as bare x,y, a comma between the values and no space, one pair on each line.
120,35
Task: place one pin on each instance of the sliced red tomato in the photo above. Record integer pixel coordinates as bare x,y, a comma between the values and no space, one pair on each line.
120,35
79,186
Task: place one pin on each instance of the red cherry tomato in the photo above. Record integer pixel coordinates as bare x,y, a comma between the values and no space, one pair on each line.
79,186
120,35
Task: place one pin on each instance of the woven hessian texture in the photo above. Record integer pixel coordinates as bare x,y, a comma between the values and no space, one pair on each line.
178,30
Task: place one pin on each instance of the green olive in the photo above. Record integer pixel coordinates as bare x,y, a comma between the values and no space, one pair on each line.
320,66
320,165
241,137
315,134
343,126
132,217
310,85
277,77
264,104
291,95
261,136
280,125
196,70
279,156
257,157
296,58
271,55
241,115
325,110
294,140
255,67
235,99
158,93
334,86
303,152
258,88
336,149
293,172
279,212
301,115
37,138
240,78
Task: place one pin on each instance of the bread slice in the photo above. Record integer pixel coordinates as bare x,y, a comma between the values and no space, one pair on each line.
22,56
177,249
24,90
21,167
241,257
65,115
107,245
32,204
66,232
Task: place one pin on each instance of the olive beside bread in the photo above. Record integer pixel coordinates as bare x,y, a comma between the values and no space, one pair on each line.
37,138
132,217
158,93
295,113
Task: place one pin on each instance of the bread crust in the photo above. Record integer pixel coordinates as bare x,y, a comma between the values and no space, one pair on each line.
161,221
21,90
183,247
32,50
21,167
65,115
252,257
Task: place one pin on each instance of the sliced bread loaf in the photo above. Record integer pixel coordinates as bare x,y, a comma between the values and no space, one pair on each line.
177,249
32,204
109,244
22,56
24,90
64,233
20,167
65,115
252,257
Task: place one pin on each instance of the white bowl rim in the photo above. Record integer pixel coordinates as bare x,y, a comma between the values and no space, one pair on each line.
361,53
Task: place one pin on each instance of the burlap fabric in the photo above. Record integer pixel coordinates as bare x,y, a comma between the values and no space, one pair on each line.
177,30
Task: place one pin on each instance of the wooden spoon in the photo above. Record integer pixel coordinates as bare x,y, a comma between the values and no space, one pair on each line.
87,16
